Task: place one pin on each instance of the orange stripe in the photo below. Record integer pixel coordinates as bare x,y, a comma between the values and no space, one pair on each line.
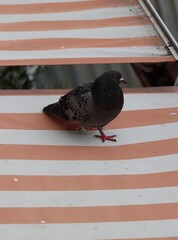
52,44
75,24
130,151
35,121
163,238
49,92
88,214
40,121
81,183
62,7
87,60
147,90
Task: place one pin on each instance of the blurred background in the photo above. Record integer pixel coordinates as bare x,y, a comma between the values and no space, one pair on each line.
69,76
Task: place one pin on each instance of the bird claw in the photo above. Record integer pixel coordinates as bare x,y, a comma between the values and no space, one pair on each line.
106,138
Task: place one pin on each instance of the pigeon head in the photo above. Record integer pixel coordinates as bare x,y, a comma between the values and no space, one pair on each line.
106,91
116,76
110,78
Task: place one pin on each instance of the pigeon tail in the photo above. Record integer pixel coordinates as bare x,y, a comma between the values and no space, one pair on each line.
55,110
47,109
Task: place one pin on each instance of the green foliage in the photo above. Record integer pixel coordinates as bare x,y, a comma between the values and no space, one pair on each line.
19,77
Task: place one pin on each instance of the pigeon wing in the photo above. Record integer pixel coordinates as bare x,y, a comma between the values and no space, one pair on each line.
76,105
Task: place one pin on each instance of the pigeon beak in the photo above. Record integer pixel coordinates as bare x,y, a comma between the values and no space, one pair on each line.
122,81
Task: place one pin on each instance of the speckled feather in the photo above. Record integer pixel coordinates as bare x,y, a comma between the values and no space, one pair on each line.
77,104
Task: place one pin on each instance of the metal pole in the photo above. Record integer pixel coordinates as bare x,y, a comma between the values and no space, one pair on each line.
172,45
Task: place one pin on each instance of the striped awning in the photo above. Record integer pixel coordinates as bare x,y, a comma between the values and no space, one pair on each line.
57,183
80,31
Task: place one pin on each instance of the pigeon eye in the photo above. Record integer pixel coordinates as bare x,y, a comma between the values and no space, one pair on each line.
114,77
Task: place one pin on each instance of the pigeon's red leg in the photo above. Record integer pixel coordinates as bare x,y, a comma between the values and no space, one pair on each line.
105,137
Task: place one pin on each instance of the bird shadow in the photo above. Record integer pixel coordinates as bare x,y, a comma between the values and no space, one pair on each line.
61,124
74,132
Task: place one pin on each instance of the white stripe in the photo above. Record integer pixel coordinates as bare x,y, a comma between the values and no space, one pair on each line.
88,231
35,104
20,199
86,167
93,14
88,53
92,33
12,2
150,101
80,138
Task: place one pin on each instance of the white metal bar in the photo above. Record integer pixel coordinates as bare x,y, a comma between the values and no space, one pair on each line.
160,26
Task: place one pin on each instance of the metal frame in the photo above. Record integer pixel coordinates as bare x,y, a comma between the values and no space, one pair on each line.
160,26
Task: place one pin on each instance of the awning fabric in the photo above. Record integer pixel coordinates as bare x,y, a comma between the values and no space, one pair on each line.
59,183
78,31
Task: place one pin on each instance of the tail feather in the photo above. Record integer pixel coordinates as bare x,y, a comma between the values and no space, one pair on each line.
47,109
55,110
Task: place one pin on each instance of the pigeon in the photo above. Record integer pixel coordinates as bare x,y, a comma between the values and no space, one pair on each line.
93,104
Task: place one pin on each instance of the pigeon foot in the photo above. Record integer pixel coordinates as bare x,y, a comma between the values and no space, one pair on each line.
104,137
